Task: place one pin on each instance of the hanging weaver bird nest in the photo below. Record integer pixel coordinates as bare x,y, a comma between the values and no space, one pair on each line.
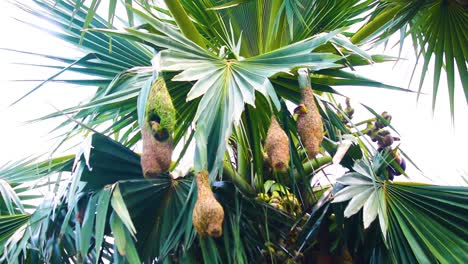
208,214
156,156
309,123
277,146
160,112
157,131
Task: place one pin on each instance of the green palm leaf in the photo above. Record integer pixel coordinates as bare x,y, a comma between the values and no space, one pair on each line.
267,25
9,224
421,223
427,223
438,31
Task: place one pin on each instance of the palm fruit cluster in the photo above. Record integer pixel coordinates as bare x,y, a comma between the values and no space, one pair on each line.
281,198
287,203
277,146
285,250
391,170
208,214
348,112
309,123
157,131
377,132
280,253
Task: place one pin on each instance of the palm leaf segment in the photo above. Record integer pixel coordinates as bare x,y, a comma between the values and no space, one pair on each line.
443,39
420,223
364,190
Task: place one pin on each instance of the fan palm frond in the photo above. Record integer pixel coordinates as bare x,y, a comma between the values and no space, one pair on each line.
421,223
437,30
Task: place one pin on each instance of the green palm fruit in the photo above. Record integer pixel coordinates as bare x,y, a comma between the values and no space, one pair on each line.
276,199
264,197
271,250
160,112
275,204
281,254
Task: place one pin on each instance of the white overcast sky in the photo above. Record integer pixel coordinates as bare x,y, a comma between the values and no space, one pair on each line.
433,143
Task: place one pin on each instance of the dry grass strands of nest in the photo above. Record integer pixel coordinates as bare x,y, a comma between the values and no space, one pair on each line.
309,123
208,214
277,146
156,156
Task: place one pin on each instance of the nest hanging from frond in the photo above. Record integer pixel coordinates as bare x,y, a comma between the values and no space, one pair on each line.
208,214
157,131
160,111
309,123
277,146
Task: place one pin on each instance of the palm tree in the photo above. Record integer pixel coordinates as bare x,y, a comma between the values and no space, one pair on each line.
226,76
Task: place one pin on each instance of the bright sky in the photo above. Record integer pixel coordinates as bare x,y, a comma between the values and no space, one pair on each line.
432,142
